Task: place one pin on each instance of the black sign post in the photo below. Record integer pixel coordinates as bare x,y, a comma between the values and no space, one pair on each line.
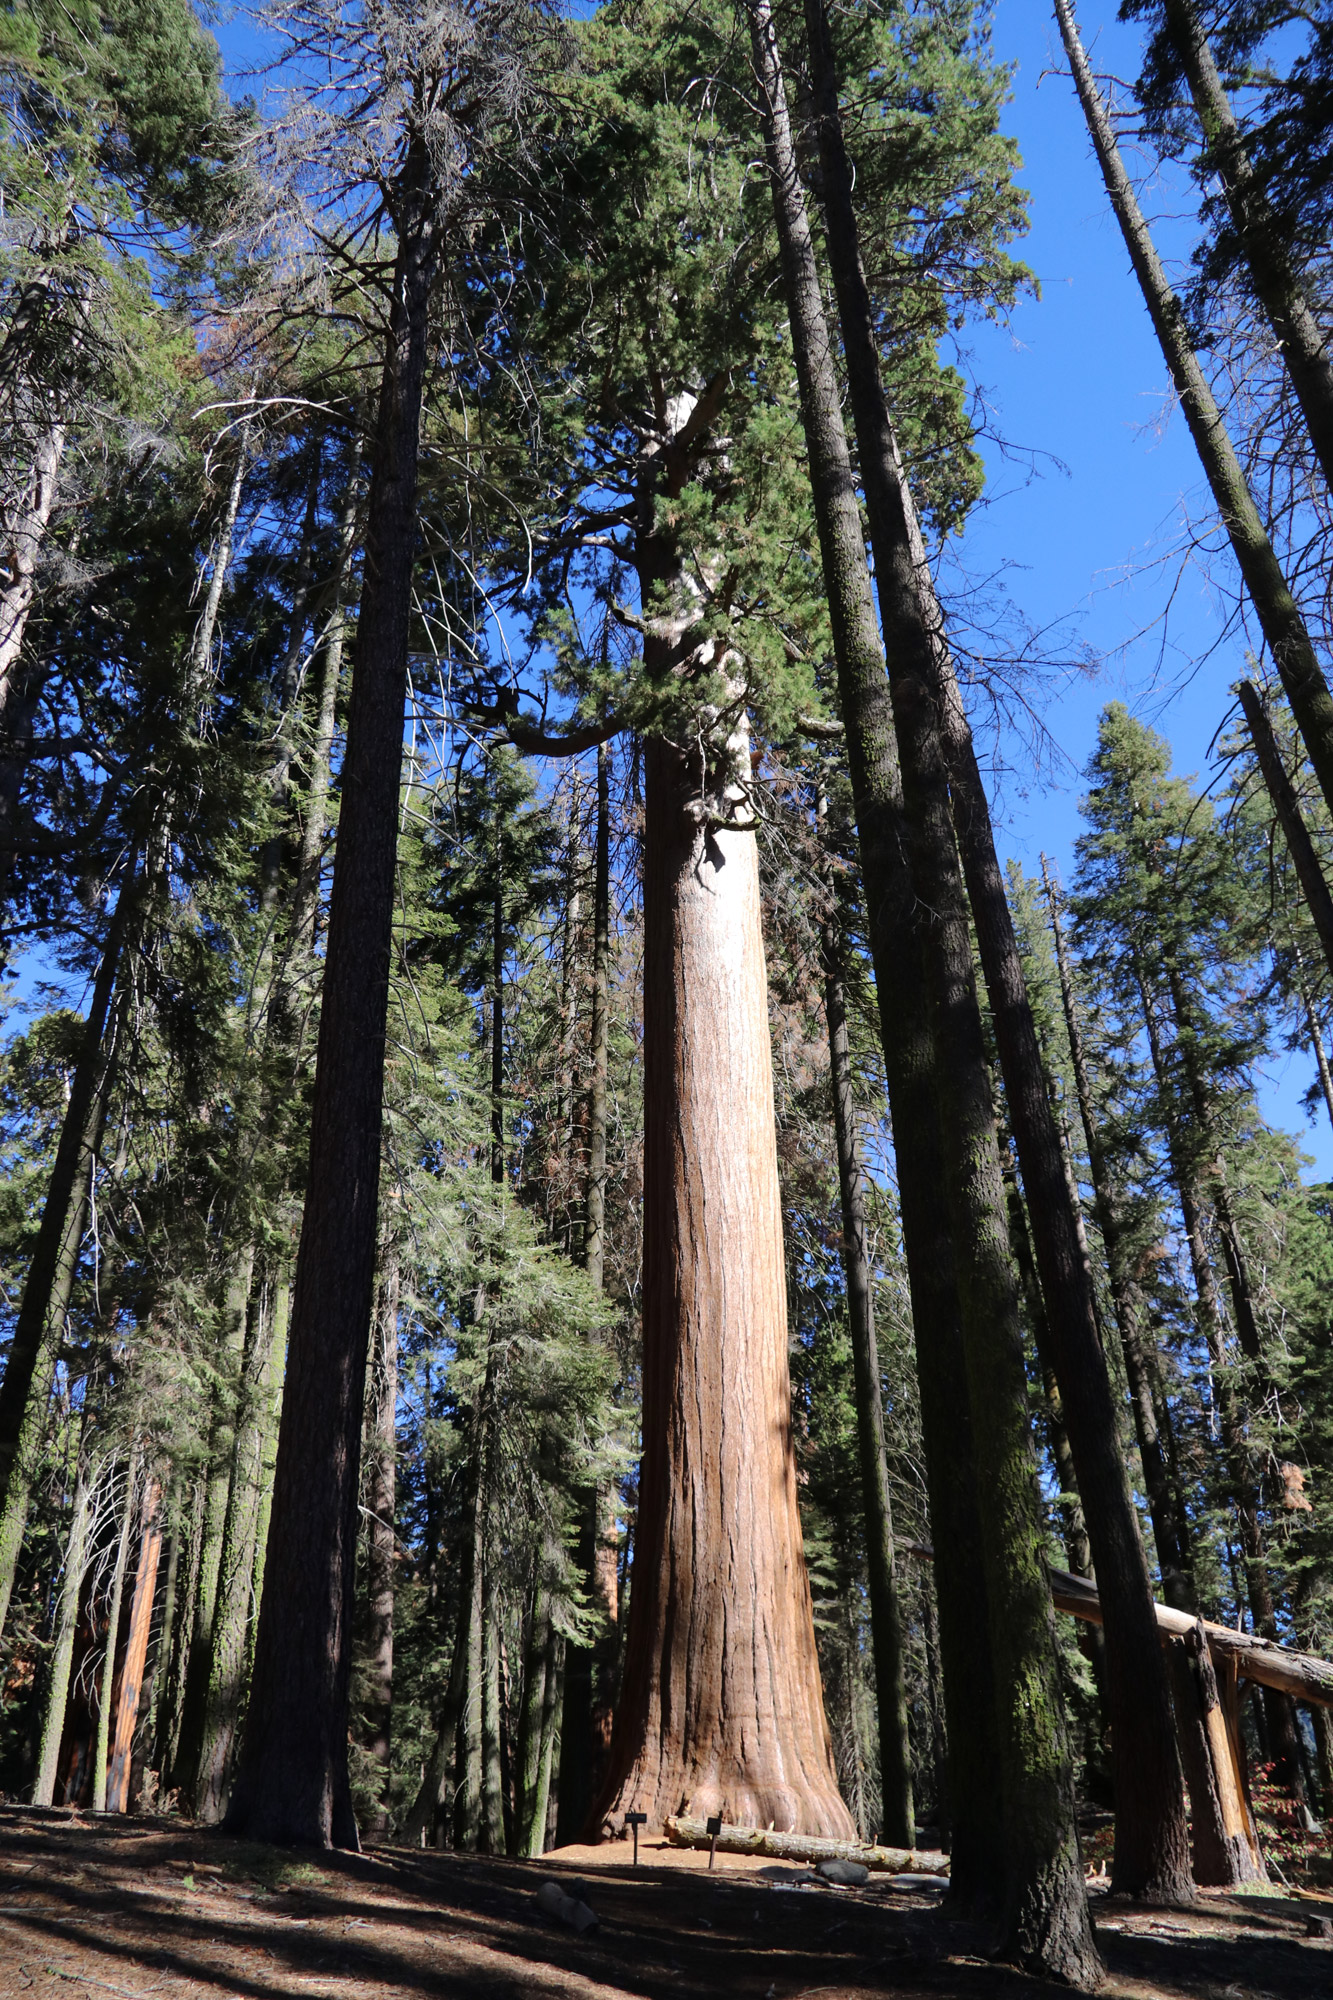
636,1820
713,1828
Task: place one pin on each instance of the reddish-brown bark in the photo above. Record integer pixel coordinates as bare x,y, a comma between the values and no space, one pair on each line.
721,1708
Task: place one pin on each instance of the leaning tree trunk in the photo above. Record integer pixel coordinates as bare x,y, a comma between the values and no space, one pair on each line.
62,1653
1278,613
721,1709
1297,334
1151,1834
1170,1528
292,1783
30,1368
1277,1708
107,1684
898,1823
1282,793
974,1783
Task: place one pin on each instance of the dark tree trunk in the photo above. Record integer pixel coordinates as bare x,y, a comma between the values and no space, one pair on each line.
1314,884
974,1780
1278,1710
1170,1530
292,1783
381,1500
224,1515
1152,1839
30,1368
225,1652
587,1710
62,1653
1296,332
898,1826
1278,613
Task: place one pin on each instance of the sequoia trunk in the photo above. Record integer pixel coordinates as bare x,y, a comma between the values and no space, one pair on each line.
721,1709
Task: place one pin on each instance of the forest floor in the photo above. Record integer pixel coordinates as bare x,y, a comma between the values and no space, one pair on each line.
139,1907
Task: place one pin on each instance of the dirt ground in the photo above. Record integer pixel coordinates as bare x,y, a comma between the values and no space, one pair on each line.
150,1907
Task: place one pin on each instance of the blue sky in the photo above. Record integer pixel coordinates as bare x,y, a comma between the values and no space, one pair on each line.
1084,539
1079,379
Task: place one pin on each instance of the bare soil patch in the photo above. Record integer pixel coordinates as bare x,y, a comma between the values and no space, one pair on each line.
139,1907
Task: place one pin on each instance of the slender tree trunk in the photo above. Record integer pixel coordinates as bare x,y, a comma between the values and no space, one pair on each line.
201,650
587,1707
491,1832
107,1686
173,1692
537,1667
1316,1042
1151,1833
30,1368
225,1651
292,1783
1314,883
277,1365
468,1800
974,1780
1170,1531
895,1749
425,1815
381,1500
1277,1708
1296,331
226,1513
721,1708
1074,1523
136,1651
314,825
22,534
62,1653
158,1694
1278,613
1046,1923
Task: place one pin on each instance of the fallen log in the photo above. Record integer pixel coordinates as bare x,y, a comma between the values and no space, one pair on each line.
683,1832
1298,1674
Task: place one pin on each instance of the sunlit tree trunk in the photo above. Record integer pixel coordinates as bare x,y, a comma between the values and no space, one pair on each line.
62,1653
107,1683
721,1709
136,1650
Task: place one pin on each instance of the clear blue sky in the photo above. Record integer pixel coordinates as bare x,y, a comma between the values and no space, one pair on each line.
1077,379
1079,376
